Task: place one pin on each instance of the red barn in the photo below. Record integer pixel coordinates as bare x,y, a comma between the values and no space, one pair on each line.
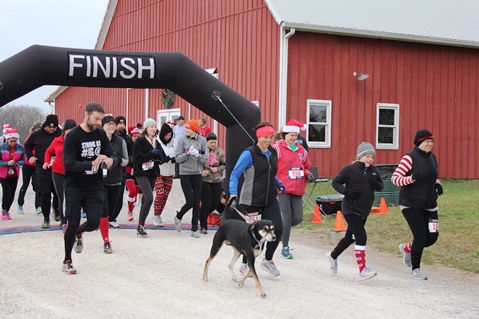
354,71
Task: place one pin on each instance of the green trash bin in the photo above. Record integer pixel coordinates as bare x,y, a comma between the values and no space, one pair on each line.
390,191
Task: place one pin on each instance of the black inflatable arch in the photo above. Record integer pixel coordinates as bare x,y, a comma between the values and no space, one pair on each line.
43,65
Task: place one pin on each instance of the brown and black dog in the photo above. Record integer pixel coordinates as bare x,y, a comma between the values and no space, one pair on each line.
246,239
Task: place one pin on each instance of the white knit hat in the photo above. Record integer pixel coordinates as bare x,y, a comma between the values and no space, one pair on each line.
148,122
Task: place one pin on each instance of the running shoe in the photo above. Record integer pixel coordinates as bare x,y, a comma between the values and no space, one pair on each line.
406,257
140,231
46,224
107,248
68,268
64,227
130,216
417,274
114,224
79,244
157,221
20,209
195,234
367,274
333,263
270,267
57,218
203,231
243,269
8,217
177,223
285,253
83,214
38,210
4,214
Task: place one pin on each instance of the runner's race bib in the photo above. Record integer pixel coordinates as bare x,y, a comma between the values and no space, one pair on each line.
296,173
147,166
253,217
433,225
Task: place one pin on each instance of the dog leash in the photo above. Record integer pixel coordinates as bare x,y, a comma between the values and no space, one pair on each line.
232,204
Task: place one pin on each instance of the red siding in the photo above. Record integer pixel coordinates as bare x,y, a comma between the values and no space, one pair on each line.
437,88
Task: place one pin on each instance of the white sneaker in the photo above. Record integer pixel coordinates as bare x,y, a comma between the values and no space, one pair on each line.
38,210
270,267
177,223
417,274
195,234
367,274
406,257
157,221
114,224
243,269
333,263
20,209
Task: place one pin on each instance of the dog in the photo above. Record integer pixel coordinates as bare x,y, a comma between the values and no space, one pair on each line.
245,239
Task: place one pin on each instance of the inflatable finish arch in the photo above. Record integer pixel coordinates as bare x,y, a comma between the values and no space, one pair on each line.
43,65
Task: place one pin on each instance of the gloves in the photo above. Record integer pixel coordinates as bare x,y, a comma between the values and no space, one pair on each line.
172,160
375,184
439,189
194,151
156,152
352,193
232,201
280,187
415,176
310,178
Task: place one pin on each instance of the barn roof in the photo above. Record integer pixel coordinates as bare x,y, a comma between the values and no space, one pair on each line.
446,22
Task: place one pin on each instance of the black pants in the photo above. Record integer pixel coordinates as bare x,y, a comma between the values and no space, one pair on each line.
28,172
418,220
147,184
58,183
75,200
191,186
210,198
9,186
355,233
46,187
112,192
119,202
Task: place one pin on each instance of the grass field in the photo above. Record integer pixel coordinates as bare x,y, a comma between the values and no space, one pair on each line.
458,243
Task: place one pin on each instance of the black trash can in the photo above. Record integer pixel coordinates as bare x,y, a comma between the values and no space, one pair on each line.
390,192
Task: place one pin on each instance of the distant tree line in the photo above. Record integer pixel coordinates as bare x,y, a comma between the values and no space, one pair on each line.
21,118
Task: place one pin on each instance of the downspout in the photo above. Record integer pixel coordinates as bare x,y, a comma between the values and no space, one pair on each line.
283,74
147,103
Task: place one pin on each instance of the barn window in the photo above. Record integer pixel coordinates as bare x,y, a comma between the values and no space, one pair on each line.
319,123
387,126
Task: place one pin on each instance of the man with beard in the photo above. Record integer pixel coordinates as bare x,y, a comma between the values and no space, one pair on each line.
121,129
39,141
86,153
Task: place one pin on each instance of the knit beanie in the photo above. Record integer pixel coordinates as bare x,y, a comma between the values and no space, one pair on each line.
365,149
148,122
165,129
107,119
211,136
192,125
120,119
51,121
69,124
421,136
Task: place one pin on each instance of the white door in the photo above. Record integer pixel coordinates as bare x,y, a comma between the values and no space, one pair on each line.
164,116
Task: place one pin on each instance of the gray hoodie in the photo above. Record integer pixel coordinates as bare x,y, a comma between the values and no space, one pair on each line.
190,164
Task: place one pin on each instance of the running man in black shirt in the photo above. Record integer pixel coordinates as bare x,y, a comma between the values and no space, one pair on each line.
86,153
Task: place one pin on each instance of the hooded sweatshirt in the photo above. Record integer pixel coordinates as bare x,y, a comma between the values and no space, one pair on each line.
167,168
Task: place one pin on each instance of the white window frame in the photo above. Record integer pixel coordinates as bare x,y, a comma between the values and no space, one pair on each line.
395,144
328,123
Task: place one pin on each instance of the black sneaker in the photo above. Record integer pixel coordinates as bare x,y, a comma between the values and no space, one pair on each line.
140,231
107,248
79,244
57,218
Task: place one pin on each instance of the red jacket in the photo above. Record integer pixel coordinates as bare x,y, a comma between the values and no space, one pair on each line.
55,150
291,165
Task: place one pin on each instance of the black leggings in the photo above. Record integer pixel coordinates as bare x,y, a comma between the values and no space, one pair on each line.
355,233
58,183
9,186
112,192
191,186
210,197
28,172
418,221
147,184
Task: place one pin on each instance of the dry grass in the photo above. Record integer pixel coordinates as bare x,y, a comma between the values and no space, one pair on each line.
458,244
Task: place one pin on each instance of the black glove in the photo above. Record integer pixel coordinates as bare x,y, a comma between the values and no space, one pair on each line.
310,178
415,176
233,201
352,193
173,160
439,189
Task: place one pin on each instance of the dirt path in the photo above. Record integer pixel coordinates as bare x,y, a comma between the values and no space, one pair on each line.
160,277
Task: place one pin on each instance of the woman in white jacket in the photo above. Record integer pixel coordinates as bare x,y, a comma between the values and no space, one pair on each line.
164,182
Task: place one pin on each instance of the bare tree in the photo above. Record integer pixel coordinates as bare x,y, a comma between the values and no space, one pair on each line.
21,118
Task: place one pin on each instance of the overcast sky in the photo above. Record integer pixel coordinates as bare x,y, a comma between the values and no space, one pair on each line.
61,23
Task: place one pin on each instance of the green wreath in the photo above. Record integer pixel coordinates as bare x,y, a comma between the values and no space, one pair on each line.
167,98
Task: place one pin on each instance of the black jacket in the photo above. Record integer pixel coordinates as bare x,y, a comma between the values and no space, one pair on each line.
142,154
356,177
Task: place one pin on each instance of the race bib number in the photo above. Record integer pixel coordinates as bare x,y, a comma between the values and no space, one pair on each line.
253,217
296,173
92,171
433,225
147,166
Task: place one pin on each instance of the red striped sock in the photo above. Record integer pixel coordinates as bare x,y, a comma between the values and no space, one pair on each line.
408,247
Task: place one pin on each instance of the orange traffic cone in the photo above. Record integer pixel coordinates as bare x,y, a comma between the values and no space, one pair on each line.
317,215
383,208
339,222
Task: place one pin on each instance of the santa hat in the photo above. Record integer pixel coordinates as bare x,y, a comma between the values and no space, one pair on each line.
294,126
6,127
11,133
135,131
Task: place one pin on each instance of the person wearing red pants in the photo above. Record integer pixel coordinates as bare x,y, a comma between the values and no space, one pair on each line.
131,184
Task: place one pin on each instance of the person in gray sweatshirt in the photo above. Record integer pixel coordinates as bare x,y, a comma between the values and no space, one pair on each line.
191,153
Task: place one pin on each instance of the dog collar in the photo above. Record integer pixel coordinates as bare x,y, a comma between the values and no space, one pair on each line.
258,245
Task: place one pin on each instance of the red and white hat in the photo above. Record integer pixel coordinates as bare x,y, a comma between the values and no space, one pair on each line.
294,126
11,133
6,127
135,131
